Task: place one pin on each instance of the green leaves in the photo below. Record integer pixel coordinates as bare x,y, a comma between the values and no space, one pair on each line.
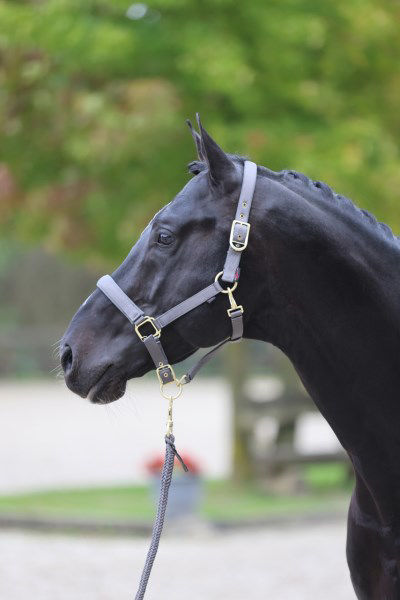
92,106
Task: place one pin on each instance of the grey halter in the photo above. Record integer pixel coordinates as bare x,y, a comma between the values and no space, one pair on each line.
238,241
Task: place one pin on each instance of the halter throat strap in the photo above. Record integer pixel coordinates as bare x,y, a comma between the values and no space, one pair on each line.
238,241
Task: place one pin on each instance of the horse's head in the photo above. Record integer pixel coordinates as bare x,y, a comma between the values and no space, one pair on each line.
180,252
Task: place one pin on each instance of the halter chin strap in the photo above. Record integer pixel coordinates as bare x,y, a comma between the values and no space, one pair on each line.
149,329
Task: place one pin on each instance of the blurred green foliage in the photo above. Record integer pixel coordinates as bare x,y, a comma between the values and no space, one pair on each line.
223,501
93,97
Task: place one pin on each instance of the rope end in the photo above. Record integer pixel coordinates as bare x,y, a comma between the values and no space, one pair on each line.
170,440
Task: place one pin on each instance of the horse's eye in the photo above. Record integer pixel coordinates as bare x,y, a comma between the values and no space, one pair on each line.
165,238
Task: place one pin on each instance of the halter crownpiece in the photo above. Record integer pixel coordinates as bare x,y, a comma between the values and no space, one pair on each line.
238,240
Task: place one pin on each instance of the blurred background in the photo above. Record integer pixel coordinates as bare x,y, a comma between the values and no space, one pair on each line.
93,99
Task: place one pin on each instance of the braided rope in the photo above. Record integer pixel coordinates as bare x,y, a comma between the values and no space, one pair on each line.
166,477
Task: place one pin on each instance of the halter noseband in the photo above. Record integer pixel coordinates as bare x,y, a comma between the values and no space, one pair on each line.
238,241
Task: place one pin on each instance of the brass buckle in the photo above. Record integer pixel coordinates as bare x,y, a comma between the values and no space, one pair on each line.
163,384
157,332
239,245
160,368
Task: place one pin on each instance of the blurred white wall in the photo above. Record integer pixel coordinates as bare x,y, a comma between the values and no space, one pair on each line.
50,438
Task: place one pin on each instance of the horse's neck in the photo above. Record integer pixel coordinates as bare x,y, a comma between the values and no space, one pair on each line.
328,299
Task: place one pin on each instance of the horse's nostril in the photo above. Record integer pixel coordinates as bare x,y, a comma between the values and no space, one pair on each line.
66,358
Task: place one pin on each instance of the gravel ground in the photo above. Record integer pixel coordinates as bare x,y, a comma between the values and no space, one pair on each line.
296,563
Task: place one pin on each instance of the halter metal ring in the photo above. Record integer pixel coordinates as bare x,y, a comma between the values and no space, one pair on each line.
171,396
163,384
228,289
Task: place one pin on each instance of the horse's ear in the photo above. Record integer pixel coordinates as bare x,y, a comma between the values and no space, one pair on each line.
197,141
220,167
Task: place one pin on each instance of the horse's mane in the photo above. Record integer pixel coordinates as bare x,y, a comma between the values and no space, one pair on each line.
287,176
345,203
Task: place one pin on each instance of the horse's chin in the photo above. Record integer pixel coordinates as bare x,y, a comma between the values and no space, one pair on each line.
108,389
104,393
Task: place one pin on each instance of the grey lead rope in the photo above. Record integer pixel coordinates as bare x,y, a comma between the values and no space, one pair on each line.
166,477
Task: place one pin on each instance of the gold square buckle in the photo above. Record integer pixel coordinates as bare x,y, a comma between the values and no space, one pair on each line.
162,370
238,244
157,332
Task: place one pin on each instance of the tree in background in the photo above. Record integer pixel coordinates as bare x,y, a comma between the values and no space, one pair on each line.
94,95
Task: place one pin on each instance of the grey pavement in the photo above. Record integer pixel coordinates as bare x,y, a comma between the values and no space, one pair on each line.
296,563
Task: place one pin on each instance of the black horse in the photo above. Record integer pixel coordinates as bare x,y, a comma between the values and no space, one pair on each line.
320,280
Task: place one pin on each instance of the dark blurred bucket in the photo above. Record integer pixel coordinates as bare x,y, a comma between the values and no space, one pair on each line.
185,494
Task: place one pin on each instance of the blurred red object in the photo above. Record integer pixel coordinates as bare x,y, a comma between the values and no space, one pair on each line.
155,465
